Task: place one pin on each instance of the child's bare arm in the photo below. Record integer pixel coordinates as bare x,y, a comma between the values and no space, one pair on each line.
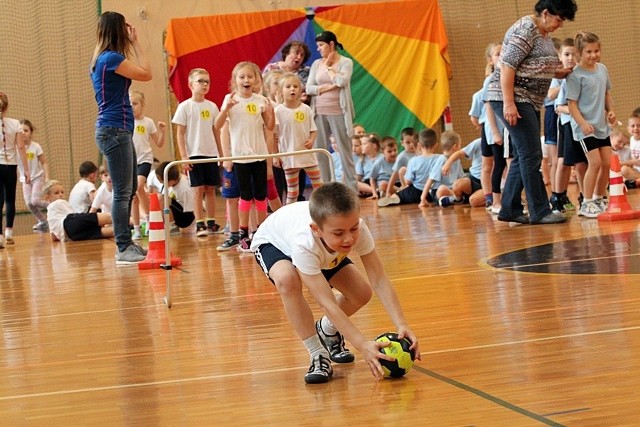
425,192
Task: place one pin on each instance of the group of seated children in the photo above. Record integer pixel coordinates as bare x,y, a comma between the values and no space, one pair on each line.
433,178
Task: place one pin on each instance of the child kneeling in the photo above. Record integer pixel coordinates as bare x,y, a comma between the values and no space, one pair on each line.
65,224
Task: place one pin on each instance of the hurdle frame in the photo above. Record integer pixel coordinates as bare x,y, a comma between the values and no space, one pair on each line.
165,197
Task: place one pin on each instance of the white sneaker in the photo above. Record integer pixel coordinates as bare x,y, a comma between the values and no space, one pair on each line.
136,235
393,199
589,209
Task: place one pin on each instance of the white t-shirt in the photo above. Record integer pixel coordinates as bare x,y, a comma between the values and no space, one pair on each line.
35,169
57,211
142,131
198,118
8,152
624,154
183,194
103,199
294,128
634,146
154,182
79,196
289,230
246,127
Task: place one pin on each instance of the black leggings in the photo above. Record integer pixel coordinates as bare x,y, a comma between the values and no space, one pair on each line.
499,164
252,180
8,182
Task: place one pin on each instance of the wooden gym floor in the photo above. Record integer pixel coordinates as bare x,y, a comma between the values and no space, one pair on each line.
519,326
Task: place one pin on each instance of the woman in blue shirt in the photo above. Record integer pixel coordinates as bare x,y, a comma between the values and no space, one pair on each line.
111,73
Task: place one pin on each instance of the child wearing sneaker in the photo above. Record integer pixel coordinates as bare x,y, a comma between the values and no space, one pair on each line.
438,188
633,126
39,171
417,171
198,139
247,114
65,224
409,140
180,195
309,242
468,185
590,106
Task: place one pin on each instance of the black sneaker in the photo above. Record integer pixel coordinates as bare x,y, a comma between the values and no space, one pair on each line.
201,230
556,204
213,228
320,371
334,345
630,183
228,244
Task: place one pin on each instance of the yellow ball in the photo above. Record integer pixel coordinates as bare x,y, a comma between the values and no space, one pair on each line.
399,350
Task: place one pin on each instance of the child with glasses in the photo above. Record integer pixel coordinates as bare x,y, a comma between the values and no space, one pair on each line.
199,139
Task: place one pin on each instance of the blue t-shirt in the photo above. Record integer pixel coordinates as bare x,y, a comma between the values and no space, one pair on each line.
588,89
403,160
419,169
364,166
112,92
455,173
473,152
477,106
562,100
381,170
337,165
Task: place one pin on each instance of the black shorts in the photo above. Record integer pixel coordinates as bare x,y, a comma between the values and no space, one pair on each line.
475,183
82,226
144,169
204,173
485,148
572,152
180,217
550,125
267,255
592,143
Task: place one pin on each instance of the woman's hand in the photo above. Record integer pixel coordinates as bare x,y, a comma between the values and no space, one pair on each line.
510,113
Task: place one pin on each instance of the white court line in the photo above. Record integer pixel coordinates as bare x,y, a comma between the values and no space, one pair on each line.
269,371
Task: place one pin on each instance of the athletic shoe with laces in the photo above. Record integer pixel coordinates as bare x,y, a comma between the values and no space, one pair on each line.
228,244
201,230
136,235
140,249
334,345
129,256
589,209
602,204
244,245
41,226
174,230
445,201
320,370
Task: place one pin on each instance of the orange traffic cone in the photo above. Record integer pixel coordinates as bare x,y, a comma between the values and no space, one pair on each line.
156,256
619,207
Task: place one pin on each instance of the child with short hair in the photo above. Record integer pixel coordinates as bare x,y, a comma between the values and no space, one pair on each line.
296,131
199,139
247,114
370,153
620,147
39,172
180,194
409,141
417,173
591,106
83,193
469,185
103,200
438,188
633,126
66,224
383,167
309,242
144,133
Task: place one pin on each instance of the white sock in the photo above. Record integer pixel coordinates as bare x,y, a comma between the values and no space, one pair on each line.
314,346
137,228
327,326
8,233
